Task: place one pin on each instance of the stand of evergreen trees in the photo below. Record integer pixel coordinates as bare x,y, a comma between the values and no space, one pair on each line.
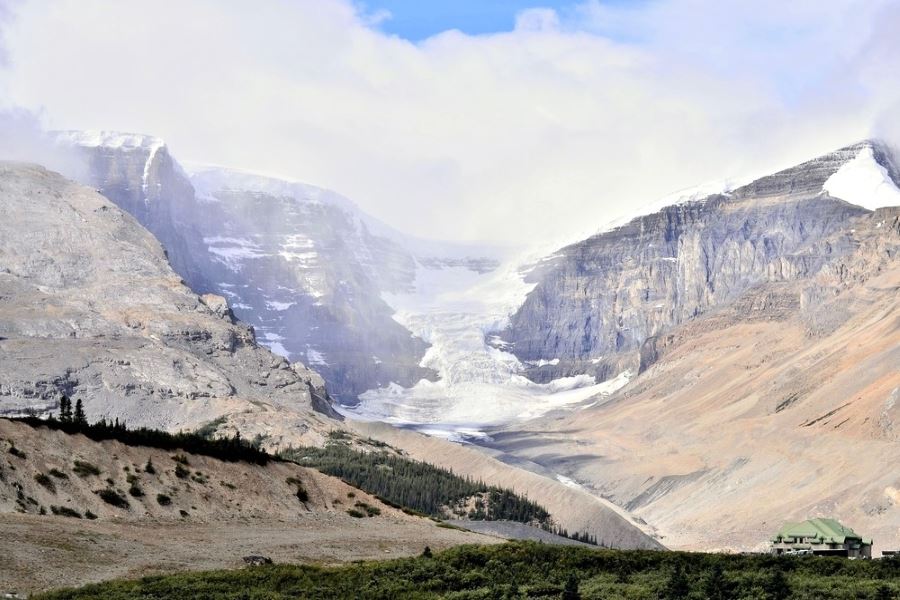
418,485
72,421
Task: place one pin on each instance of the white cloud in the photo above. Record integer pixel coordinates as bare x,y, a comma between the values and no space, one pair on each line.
22,138
537,19
573,118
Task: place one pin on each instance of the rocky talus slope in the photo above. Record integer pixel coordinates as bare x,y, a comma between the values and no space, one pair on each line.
783,404
90,308
57,529
597,302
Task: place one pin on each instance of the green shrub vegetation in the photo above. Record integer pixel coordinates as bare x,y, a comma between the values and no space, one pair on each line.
356,514
370,510
418,485
111,496
181,472
85,469
65,511
45,481
58,474
89,515
530,570
302,494
163,500
209,429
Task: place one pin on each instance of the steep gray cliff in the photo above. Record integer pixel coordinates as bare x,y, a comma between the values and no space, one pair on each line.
90,308
298,263
597,302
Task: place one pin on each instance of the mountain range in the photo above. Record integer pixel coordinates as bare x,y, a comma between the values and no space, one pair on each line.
302,265
719,363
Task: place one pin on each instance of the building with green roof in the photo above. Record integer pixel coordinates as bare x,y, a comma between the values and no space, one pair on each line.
823,537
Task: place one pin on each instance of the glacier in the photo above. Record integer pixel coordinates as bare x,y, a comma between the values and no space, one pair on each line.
479,385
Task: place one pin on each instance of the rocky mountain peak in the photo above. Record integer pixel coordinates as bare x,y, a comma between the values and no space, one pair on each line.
596,302
810,177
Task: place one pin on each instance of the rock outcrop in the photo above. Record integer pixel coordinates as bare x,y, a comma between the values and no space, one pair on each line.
90,308
601,304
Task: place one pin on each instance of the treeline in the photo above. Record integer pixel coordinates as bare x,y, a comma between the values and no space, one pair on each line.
231,449
420,486
579,536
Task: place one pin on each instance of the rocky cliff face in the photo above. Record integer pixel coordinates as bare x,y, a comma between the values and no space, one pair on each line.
90,308
597,302
298,263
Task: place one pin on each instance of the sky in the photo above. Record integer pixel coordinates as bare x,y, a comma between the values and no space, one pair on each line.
417,20
509,121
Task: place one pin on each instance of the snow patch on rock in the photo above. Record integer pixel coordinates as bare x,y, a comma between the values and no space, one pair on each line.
864,182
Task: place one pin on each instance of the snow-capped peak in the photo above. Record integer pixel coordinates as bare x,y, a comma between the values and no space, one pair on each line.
208,180
863,181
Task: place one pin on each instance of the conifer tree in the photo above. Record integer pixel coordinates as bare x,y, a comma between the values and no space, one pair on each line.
79,417
65,409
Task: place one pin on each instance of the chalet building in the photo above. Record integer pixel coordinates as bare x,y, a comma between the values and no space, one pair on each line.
822,537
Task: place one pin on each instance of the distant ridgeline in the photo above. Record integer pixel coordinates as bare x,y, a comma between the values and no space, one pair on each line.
413,486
